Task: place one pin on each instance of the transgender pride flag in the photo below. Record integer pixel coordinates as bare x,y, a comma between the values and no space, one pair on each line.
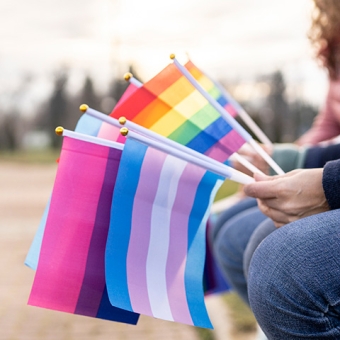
70,276
155,251
169,105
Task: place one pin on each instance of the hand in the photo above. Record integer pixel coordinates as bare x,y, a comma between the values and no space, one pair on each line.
289,197
253,157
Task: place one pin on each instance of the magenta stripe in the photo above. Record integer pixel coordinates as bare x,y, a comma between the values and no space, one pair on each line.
178,247
140,230
63,256
226,146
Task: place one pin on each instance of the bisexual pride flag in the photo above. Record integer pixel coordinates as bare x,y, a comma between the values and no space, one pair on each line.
90,126
70,276
169,105
155,251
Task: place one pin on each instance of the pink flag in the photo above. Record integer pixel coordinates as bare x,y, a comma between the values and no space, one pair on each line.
70,276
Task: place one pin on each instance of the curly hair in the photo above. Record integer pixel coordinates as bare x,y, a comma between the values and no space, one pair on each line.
324,34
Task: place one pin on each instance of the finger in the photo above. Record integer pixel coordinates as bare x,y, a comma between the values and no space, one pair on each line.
277,204
277,216
262,189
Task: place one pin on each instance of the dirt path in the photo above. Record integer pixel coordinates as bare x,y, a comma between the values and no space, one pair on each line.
24,190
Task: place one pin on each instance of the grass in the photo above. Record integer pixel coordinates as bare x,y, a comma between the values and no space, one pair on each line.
243,320
204,333
228,188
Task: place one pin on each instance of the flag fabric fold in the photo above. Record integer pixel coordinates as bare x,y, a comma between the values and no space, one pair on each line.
155,251
169,105
70,275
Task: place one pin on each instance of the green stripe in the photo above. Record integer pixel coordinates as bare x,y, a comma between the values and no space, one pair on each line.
193,126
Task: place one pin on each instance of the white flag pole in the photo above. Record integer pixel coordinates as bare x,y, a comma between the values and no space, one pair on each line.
155,136
230,120
246,117
235,156
220,169
60,131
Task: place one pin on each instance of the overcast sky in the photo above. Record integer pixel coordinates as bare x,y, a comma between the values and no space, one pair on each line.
226,38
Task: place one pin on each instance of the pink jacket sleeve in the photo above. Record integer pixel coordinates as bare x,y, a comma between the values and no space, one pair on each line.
326,124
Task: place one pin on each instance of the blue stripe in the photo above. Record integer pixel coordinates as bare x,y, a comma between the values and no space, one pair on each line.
222,100
120,224
196,249
108,312
210,136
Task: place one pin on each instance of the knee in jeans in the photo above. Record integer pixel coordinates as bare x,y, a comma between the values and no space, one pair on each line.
268,267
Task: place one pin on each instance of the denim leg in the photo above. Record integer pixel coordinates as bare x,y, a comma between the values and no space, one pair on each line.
294,279
240,206
230,244
260,233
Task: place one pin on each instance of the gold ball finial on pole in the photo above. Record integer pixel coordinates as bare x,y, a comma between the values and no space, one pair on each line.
59,130
122,120
127,76
172,56
124,131
83,108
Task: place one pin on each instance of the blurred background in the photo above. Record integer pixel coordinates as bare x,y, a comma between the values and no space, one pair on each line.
58,54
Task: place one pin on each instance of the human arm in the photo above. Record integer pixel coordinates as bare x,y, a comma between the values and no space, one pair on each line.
326,124
297,194
291,196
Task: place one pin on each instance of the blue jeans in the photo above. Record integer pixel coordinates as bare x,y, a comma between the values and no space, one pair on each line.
294,272
234,237
294,279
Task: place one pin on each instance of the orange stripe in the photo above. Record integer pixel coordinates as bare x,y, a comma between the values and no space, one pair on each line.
152,113
163,80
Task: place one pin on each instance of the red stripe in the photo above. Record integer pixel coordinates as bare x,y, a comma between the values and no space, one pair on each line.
163,80
134,104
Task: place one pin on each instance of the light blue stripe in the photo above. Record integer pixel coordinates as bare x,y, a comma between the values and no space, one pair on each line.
196,249
120,223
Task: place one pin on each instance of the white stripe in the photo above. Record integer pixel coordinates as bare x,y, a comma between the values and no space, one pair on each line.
160,237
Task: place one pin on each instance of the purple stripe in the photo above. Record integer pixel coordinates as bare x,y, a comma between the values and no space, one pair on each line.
94,280
226,146
178,247
140,230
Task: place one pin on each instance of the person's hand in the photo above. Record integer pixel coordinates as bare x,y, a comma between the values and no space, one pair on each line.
289,197
253,157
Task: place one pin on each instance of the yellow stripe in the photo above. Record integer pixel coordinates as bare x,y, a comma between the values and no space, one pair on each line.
175,93
191,104
168,123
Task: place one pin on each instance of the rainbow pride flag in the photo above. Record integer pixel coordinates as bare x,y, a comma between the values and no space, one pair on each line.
211,87
169,105
70,276
155,251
